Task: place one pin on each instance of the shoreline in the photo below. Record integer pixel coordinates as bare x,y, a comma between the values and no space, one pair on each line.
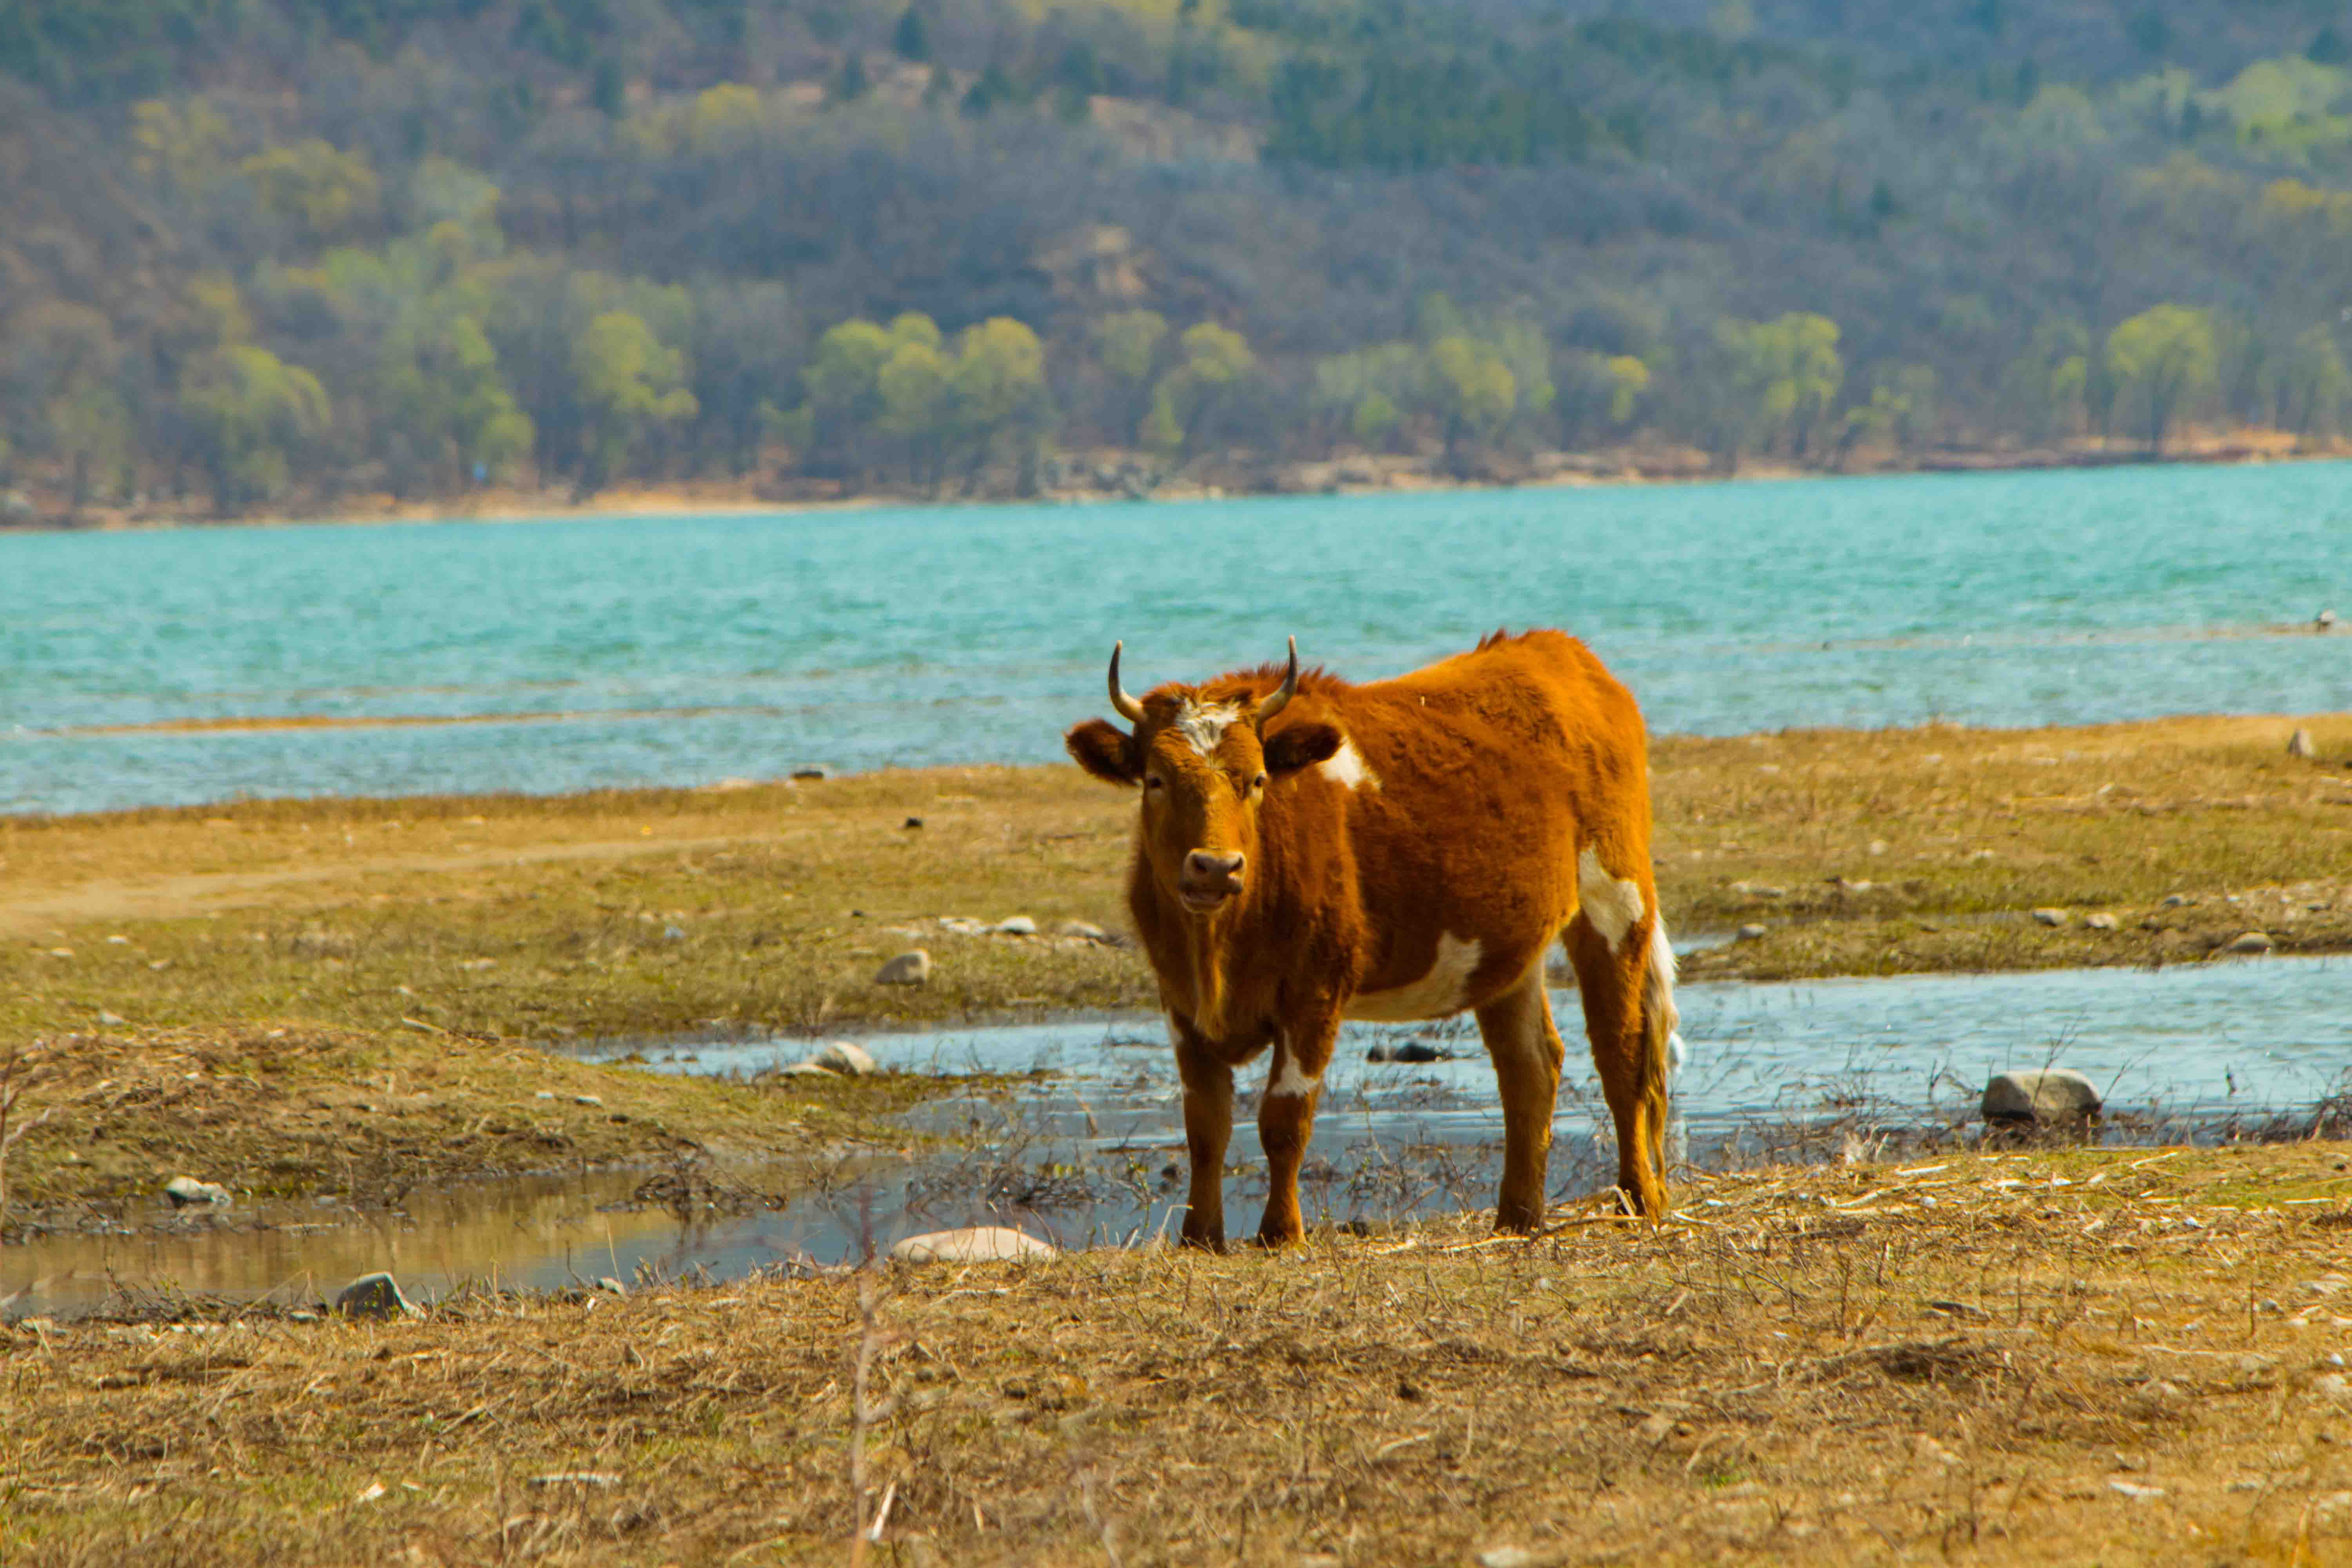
1346,477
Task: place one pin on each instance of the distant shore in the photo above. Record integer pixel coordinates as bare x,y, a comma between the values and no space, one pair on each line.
1086,476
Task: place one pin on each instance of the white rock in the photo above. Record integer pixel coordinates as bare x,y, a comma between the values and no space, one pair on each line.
2251,941
841,1057
2047,1094
373,1295
2322,621
2050,917
979,1244
1085,929
807,1069
107,1020
2299,745
2100,921
1751,932
1015,925
910,968
185,1191
961,925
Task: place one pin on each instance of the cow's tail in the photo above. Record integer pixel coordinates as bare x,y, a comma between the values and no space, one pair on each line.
1662,1042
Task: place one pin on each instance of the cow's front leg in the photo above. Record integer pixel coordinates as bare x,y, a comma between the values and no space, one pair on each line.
1285,1120
1208,1124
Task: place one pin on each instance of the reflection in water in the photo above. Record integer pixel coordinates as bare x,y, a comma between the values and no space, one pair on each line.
1095,1153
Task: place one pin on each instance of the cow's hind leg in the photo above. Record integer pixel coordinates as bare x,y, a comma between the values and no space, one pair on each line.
1629,1053
1208,1124
1526,1045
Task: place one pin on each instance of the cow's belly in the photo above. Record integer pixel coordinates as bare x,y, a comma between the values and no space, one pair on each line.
1444,991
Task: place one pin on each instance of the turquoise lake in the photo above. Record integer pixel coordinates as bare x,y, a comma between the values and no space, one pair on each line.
683,651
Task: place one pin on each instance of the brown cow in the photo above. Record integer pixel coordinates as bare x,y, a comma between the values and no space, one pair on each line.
1309,850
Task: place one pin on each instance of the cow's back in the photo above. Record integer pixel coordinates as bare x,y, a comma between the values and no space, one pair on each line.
1467,788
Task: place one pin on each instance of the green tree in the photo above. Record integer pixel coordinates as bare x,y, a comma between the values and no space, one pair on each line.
1470,390
438,387
248,411
2161,360
1187,405
313,187
1787,372
911,38
1127,343
999,384
2313,385
631,385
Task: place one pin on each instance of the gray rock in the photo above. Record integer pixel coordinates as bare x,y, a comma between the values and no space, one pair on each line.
587,1100
373,1295
107,1020
909,968
1405,1051
1085,929
841,1057
809,773
2299,745
2251,941
2322,621
186,1191
2100,921
1752,932
610,1286
2051,917
2041,1094
981,1244
2174,901
1015,925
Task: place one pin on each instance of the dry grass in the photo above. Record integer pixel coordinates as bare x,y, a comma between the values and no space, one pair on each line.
2067,1358
649,912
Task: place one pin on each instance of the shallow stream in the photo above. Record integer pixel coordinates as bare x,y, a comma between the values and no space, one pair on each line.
1093,1152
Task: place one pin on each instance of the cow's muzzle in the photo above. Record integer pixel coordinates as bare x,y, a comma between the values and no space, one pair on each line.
1209,878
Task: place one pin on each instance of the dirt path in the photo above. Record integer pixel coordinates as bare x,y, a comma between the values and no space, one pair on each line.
39,911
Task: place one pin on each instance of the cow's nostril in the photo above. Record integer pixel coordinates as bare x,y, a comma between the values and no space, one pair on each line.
1207,866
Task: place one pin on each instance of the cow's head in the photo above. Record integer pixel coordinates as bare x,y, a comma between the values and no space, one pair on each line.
1205,761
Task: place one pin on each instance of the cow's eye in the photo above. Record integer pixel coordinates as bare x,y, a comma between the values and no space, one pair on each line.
1153,781
1258,783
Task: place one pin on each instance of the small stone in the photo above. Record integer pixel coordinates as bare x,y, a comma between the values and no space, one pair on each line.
587,1100
673,933
2051,917
912,822
373,1295
1404,1051
2133,1490
1752,932
841,1057
2042,1094
2174,901
186,1191
807,1069
2100,921
1878,846
979,1244
910,968
2322,621
1507,1557
610,1286
544,1094
2299,745
1015,925
107,1020
1085,930
809,773
2251,941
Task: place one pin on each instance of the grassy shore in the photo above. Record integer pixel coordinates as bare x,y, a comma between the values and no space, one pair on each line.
305,959
2042,1357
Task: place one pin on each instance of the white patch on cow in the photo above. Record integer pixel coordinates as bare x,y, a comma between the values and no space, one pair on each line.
1287,1079
1440,993
1347,768
1202,726
1610,903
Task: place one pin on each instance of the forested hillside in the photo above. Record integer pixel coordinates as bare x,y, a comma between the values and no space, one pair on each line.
270,253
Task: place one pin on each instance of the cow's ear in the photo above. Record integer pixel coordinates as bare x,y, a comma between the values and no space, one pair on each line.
1105,751
1299,746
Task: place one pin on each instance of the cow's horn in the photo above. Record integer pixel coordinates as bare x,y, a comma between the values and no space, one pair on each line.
1127,707
1280,697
